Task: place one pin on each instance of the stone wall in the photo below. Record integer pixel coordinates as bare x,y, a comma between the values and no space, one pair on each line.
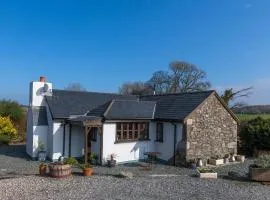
211,130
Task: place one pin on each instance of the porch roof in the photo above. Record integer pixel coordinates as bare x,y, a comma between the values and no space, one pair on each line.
86,120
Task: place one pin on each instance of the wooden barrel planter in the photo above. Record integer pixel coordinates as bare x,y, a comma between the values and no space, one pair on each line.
59,170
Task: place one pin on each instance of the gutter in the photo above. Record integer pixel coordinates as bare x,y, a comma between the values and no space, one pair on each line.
174,141
64,139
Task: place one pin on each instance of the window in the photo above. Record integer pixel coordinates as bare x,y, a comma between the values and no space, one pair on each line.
159,132
128,131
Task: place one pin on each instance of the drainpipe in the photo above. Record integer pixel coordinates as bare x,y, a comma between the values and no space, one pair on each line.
174,141
64,139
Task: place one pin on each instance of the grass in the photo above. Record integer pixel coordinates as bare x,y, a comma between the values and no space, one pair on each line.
247,117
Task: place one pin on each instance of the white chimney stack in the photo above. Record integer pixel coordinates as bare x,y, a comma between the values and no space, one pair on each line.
38,91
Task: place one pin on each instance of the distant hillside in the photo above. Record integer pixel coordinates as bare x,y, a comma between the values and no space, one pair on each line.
259,109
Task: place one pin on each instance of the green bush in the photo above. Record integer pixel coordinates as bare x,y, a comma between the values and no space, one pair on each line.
254,134
5,139
71,161
263,161
12,109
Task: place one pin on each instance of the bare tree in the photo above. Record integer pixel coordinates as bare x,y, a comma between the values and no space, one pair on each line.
230,95
187,77
160,82
75,87
136,88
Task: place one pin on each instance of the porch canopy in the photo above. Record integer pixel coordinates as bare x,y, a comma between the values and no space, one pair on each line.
88,122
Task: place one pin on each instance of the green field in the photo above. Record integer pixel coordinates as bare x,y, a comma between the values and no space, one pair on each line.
247,117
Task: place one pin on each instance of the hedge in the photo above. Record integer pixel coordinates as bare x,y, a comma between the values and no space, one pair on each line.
254,134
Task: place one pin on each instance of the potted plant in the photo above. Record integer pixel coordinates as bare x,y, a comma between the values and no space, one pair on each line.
226,158
192,163
42,169
216,160
111,161
93,158
207,173
260,171
232,158
41,151
240,158
87,169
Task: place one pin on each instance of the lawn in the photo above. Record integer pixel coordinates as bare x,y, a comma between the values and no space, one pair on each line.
247,117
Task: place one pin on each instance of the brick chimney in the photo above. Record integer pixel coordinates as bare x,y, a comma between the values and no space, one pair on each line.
42,79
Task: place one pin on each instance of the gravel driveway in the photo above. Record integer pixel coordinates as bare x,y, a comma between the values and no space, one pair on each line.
154,184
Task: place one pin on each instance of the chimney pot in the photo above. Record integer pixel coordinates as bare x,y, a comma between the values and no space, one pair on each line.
42,79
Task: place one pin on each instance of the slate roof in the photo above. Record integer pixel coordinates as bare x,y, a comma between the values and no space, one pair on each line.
39,116
123,109
176,106
64,103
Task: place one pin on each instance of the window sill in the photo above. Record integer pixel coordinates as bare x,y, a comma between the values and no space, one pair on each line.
161,141
129,141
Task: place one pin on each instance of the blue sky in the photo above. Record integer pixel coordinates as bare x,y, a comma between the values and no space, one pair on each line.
102,44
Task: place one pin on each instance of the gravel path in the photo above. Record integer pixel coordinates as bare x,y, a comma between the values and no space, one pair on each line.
19,180
106,187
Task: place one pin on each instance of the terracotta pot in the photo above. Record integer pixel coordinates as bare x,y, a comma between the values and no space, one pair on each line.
42,169
87,171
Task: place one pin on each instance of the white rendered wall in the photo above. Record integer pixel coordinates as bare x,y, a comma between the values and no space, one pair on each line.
37,93
39,135
166,148
125,151
77,141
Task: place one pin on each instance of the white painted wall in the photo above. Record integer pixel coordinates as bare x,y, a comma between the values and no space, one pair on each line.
125,151
166,148
36,134
39,135
77,141
135,150
37,93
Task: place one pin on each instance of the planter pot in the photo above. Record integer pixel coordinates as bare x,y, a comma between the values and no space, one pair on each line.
240,158
87,171
260,174
111,163
58,170
226,161
210,175
216,161
41,156
232,159
43,170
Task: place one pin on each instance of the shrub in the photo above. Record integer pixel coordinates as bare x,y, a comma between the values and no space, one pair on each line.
254,134
11,109
263,161
5,139
71,161
7,128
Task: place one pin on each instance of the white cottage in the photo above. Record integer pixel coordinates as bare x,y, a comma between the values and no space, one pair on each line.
71,123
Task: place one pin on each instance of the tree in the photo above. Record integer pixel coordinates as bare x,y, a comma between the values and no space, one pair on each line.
181,77
12,109
187,77
230,95
136,88
75,87
160,82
